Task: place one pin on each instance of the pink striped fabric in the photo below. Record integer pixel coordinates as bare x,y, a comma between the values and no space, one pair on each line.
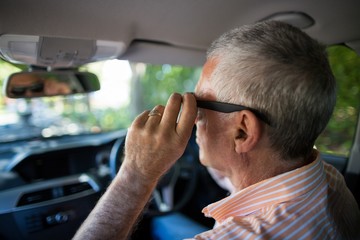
311,202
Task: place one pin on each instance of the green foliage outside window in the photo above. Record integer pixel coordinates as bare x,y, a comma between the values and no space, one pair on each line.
339,134
159,81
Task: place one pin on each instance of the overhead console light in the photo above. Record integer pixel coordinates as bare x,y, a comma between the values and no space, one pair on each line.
297,19
57,52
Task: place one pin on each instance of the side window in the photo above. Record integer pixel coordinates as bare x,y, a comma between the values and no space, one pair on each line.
338,137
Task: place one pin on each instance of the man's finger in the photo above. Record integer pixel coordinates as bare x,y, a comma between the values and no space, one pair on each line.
171,112
155,116
140,120
188,115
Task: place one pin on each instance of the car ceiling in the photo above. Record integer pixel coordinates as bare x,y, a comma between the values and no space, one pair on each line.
172,31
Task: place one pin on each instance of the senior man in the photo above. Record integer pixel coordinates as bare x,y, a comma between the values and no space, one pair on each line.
265,94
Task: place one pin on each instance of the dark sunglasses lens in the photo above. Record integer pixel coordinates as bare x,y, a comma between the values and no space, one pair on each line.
18,91
36,88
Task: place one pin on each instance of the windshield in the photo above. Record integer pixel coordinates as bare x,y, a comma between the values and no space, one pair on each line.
129,88
126,90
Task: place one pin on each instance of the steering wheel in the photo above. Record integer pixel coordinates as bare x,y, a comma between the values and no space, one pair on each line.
175,188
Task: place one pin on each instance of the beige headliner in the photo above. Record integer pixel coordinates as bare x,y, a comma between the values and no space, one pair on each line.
170,26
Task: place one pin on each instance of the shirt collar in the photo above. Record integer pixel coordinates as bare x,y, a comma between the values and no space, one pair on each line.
281,188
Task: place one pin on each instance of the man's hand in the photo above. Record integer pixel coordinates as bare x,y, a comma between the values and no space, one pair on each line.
153,145
155,141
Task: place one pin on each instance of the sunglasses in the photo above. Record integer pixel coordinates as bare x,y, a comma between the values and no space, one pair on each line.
20,90
229,108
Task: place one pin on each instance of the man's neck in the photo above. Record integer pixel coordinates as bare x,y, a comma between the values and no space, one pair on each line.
259,167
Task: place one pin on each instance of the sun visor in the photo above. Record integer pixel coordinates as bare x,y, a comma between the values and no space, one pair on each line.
297,19
162,53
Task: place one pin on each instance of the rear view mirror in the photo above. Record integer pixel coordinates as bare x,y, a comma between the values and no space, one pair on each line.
41,84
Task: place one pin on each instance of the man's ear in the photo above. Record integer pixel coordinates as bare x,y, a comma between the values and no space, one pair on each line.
249,130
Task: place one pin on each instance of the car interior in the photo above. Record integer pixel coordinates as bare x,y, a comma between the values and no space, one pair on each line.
74,74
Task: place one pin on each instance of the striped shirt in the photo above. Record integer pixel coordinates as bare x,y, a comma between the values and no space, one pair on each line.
311,202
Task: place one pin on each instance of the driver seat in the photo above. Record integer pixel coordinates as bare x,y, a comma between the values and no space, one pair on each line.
175,226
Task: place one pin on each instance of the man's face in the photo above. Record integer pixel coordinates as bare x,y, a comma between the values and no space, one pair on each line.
26,85
213,135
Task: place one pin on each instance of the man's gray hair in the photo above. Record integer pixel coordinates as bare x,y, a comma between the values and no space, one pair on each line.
282,72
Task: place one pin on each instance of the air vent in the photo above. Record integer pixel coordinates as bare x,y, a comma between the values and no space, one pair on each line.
35,197
53,193
76,188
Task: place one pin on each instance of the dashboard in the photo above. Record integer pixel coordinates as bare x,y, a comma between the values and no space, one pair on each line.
49,186
64,162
